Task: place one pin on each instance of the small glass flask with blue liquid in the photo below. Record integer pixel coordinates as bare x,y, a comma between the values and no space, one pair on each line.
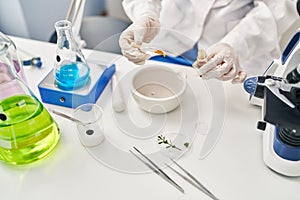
70,69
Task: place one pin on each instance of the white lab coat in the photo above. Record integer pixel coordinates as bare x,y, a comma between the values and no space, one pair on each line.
252,27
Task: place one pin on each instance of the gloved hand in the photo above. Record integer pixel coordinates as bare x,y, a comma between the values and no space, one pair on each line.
222,64
142,30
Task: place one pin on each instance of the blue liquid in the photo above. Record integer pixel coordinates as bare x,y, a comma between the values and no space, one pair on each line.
72,76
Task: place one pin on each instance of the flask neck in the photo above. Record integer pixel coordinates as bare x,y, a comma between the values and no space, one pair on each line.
7,69
64,34
67,48
10,65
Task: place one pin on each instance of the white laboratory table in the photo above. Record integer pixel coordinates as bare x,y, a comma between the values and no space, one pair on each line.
233,170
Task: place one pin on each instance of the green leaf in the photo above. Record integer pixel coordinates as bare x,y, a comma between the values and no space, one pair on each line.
186,144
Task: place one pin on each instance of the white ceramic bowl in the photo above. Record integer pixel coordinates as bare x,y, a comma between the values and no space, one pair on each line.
158,89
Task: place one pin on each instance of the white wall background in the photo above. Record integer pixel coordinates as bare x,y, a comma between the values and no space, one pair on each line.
12,19
35,18
115,9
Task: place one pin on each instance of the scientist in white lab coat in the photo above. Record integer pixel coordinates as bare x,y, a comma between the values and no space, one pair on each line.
233,32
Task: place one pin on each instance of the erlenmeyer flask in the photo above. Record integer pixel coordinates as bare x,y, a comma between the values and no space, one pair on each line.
27,130
70,69
12,50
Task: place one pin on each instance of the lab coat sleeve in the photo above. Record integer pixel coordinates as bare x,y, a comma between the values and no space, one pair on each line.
284,12
259,32
137,8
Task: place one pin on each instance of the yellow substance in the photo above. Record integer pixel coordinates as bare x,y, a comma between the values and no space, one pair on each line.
138,46
160,52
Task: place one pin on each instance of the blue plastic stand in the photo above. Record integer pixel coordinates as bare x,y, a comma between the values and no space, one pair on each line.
100,76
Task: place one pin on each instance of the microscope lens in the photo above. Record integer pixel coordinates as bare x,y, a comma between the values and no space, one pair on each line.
290,136
293,76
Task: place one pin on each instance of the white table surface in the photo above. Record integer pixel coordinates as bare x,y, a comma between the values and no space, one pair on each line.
234,170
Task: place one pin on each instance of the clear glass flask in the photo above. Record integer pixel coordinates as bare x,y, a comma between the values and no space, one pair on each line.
70,69
27,130
12,50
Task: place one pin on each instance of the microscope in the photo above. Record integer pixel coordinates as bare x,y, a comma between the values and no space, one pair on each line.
279,91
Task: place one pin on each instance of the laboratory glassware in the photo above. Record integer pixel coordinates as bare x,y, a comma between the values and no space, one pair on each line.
12,50
71,71
27,130
89,121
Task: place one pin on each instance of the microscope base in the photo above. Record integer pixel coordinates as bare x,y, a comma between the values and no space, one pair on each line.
275,162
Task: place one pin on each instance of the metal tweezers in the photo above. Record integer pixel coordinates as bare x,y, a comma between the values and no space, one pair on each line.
150,164
190,179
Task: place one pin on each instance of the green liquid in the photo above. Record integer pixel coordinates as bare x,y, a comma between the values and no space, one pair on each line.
28,133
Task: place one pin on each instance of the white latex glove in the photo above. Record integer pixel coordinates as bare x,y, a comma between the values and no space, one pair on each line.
142,30
222,64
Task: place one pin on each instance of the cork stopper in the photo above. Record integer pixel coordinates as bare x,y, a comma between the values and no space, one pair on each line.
202,55
201,58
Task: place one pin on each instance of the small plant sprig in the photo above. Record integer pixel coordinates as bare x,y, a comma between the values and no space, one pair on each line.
162,140
186,144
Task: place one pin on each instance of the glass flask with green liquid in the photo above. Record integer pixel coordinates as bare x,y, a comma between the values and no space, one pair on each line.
27,131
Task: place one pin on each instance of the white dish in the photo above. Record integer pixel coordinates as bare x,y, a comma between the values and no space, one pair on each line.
158,89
